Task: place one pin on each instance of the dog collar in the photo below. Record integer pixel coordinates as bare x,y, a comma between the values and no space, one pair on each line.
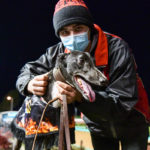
58,75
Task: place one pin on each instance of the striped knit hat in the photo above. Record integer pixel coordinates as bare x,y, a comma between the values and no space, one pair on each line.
71,12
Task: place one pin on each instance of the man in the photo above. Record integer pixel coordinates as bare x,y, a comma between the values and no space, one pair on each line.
120,112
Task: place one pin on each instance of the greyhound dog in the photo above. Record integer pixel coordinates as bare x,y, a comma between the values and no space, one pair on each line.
76,69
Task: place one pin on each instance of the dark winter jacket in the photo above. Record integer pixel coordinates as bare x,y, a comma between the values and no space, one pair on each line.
119,109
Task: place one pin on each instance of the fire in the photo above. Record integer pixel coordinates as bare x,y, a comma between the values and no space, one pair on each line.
31,127
72,122
45,127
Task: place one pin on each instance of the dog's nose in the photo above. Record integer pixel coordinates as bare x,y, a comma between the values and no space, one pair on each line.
104,82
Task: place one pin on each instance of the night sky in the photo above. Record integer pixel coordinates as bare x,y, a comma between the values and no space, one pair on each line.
26,30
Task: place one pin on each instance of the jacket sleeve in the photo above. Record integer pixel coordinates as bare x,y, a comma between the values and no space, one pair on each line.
31,69
120,96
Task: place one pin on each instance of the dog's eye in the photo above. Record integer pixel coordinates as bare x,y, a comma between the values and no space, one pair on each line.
81,61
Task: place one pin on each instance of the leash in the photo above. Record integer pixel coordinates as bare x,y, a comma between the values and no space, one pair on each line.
50,101
64,124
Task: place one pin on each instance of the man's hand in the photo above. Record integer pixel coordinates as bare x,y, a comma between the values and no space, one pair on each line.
38,85
71,93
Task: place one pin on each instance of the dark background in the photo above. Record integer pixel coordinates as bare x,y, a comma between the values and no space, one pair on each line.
26,31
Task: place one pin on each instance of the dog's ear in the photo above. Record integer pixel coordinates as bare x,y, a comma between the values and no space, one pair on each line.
91,58
61,59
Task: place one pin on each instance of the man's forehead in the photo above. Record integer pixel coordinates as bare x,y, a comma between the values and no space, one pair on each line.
70,26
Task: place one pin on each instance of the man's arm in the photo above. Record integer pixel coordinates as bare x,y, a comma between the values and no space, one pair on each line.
118,99
33,78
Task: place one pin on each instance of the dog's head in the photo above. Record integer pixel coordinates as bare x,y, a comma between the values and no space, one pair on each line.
80,72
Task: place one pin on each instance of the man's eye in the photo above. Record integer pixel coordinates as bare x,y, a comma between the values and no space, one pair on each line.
78,29
64,33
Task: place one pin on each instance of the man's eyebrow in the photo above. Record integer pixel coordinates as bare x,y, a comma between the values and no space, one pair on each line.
62,29
75,25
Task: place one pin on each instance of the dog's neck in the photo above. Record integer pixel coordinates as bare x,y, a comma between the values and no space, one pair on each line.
58,75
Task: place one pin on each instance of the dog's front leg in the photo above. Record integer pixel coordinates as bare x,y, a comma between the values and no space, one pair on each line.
54,94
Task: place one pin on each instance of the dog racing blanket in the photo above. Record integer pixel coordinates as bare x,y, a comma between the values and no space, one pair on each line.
27,120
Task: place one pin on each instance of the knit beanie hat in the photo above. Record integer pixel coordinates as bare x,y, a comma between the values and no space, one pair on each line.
71,12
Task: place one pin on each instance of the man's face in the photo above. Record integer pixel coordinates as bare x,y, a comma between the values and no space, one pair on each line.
76,37
74,29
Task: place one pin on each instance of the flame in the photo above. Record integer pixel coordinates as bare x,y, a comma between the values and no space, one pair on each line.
45,127
71,122
31,127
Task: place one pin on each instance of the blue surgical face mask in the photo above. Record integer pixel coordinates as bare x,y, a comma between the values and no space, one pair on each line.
76,42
